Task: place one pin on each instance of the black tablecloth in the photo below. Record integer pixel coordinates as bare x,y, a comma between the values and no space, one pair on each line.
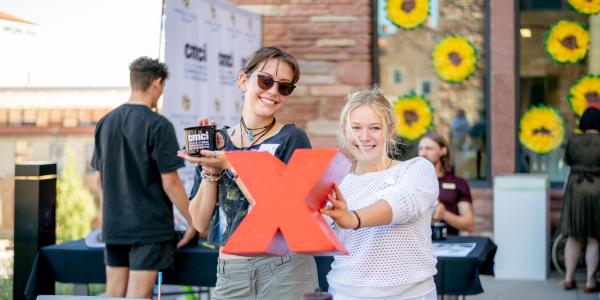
460,275
74,262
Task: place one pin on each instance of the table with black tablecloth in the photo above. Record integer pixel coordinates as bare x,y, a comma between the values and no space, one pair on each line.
460,275
74,262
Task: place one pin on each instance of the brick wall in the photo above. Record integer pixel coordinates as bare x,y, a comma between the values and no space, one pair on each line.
332,41
483,210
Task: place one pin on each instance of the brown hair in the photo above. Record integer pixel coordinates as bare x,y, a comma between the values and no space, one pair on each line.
443,143
374,99
265,54
144,70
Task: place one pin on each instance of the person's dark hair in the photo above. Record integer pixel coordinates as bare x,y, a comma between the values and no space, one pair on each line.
265,54
590,119
443,143
144,70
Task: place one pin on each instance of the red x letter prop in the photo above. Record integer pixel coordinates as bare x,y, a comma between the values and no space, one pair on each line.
288,199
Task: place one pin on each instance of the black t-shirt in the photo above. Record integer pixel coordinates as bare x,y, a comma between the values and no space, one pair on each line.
133,147
232,206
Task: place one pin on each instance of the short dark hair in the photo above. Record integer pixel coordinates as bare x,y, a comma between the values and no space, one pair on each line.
144,70
265,54
590,119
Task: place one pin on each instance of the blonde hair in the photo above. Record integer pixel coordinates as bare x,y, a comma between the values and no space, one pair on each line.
374,99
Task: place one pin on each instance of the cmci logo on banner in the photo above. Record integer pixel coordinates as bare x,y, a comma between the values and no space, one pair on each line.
207,42
226,60
196,52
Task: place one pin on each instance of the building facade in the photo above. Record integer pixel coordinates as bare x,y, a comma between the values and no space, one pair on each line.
346,45
43,124
40,123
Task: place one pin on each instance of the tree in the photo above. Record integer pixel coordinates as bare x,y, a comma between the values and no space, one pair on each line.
75,207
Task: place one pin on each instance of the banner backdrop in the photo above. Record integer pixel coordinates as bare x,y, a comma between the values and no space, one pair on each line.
206,43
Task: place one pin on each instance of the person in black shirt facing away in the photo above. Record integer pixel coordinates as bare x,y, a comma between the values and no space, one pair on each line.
135,155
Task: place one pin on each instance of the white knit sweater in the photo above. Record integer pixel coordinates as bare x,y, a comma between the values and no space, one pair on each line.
393,259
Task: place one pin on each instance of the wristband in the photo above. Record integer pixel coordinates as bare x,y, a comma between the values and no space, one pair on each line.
211,174
358,218
235,176
210,177
231,174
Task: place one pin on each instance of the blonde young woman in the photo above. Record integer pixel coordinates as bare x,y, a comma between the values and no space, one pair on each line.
382,210
220,201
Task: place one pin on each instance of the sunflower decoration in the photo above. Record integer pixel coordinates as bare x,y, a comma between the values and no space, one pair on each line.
586,7
542,129
454,59
567,42
584,93
407,14
415,116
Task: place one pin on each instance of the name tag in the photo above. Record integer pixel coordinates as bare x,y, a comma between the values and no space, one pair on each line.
271,148
448,186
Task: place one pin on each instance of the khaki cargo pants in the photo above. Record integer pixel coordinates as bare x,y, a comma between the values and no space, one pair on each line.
264,278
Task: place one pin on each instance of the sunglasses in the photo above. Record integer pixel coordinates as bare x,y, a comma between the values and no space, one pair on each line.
265,82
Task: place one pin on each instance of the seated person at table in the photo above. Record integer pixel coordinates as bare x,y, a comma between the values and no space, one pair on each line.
382,210
455,204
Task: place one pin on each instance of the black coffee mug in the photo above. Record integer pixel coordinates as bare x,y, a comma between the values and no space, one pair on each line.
439,231
200,138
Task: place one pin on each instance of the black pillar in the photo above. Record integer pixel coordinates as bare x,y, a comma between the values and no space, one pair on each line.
35,217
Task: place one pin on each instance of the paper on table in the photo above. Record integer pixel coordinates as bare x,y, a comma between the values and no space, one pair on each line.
94,239
452,249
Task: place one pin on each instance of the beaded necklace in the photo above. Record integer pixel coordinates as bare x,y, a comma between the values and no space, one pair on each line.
253,137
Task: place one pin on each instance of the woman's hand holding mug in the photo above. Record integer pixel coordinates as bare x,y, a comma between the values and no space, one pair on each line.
202,143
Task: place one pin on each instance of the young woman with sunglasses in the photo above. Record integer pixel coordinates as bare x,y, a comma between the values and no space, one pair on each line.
382,210
220,200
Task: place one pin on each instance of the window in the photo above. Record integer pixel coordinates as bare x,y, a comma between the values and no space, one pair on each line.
543,82
404,65
397,76
29,117
424,87
23,151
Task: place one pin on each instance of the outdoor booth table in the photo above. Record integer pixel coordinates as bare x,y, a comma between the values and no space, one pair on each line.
74,262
